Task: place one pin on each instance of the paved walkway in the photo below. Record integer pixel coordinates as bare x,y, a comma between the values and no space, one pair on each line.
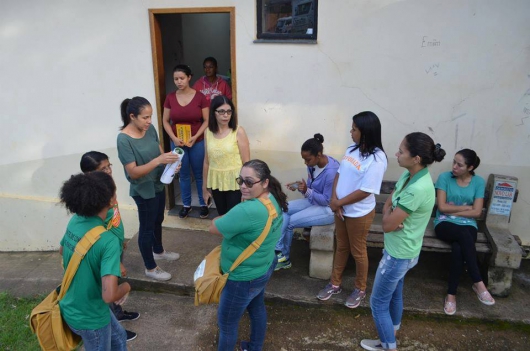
29,273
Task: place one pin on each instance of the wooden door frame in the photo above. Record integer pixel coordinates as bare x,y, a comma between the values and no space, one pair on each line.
158,68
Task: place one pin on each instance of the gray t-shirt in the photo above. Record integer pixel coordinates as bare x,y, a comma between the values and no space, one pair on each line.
142,151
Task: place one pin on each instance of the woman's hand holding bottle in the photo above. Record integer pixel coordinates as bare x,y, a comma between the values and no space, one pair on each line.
167,158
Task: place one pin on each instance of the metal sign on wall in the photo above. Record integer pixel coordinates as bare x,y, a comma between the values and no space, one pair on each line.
502,197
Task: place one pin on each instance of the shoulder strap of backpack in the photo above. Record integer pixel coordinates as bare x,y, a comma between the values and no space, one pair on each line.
81,249
256,244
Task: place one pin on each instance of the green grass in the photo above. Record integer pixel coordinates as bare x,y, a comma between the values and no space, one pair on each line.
15,333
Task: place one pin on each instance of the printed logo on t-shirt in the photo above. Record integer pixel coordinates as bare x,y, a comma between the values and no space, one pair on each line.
356,163
116,218
211,92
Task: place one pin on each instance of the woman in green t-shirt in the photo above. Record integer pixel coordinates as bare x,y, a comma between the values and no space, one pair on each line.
242,225
84,307
405,216
93,161
143,160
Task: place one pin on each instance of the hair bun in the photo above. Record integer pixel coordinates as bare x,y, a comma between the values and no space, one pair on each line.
319,137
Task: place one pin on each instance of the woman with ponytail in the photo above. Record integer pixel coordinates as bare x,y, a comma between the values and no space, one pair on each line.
460,199
143,160
314,208
242,225
405,216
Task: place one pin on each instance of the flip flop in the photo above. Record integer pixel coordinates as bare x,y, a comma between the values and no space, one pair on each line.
449,307
484,297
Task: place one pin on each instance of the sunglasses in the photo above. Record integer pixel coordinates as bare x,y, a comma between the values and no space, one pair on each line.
247,182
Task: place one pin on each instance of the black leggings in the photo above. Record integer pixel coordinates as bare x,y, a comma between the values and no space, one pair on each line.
462,239
225,200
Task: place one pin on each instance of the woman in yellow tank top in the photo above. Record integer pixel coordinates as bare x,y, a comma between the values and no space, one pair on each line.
226,149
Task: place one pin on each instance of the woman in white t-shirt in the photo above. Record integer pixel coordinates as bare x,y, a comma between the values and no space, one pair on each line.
359,177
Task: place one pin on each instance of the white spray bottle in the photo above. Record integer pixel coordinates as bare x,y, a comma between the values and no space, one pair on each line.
169,171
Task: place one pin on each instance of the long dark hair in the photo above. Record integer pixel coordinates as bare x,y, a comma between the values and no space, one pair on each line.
214,105
263,172
370,127
470,158
314,145
134,106
422,145
87,194
91,160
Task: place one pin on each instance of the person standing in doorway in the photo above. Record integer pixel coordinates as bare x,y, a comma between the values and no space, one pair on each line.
186,106
211,85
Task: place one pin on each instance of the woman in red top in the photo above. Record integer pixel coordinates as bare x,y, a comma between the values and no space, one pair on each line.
188,107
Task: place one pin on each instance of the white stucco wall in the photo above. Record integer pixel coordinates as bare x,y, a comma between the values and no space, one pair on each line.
66,66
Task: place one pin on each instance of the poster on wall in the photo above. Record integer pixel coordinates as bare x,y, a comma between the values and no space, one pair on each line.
502,198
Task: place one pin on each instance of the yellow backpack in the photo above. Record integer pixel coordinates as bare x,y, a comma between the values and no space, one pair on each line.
208,279
46,321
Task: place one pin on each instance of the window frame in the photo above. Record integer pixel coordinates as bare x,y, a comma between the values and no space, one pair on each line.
283,37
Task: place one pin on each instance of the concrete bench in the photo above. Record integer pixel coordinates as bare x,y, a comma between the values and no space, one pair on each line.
499,252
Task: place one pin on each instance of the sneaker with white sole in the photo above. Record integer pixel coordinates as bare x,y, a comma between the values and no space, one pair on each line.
329,290
371,345
158,274
285,264
131,335
354,300
166,255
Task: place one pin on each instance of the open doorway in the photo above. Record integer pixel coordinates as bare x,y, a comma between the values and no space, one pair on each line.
188,36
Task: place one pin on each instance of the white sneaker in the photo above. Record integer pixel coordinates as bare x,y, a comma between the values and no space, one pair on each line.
166,255
371,345
158,274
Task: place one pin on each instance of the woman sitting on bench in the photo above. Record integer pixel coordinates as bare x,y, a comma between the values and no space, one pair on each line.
460,199
313,209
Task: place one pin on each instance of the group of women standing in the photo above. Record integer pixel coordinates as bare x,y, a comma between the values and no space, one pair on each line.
343,192
406,213
215,159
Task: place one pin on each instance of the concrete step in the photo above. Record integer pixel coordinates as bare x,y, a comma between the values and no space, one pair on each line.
425,285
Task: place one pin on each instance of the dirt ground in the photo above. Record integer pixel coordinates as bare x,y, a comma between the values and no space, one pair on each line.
315,328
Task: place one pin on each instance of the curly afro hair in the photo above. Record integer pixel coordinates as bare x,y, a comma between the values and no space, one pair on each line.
87,194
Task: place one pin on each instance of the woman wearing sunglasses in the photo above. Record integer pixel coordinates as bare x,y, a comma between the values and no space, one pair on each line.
242,225
226,149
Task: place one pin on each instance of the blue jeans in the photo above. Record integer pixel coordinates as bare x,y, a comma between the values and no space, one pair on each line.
301,214
192,162
110,337
235,298
151,216
387,297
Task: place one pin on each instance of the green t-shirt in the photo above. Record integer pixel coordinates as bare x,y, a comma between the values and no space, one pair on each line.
240,227
83,307
142,151
416,199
